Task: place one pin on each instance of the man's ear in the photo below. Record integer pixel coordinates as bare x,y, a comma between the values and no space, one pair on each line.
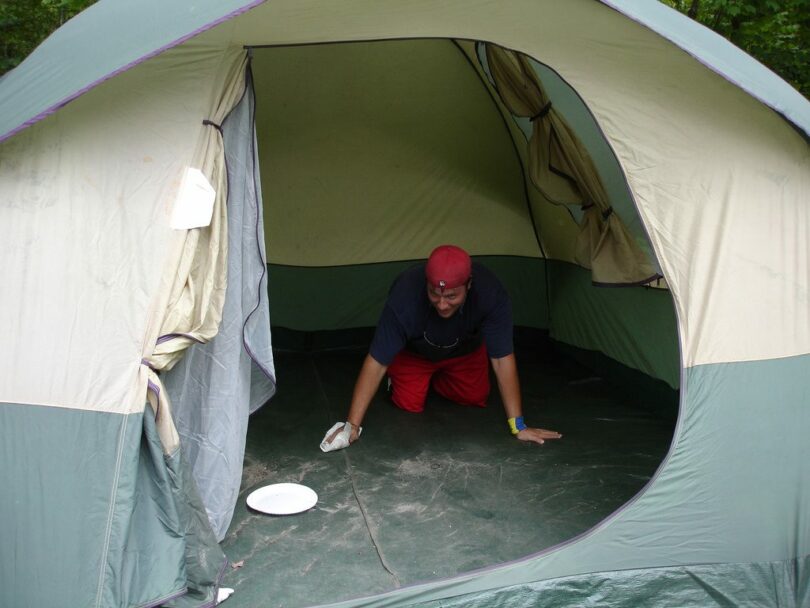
469,284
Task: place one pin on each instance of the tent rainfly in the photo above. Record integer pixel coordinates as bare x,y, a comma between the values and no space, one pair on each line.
614,136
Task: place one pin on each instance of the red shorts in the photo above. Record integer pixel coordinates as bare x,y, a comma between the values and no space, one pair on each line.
464,379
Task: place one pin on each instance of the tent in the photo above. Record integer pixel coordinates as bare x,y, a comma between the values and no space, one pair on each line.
134,160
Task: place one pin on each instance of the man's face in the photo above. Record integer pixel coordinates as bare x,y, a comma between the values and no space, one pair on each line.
447,301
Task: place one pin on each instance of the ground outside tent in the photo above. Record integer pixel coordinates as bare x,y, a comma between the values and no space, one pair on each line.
422,497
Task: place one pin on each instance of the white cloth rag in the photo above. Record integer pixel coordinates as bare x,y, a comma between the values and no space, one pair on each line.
223,593
341,440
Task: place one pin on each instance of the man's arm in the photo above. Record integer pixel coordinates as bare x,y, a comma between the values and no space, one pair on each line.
509,385
368,381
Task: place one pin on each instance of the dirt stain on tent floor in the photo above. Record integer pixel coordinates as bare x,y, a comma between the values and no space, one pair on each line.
428,496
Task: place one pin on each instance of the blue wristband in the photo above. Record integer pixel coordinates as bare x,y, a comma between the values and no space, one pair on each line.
516,424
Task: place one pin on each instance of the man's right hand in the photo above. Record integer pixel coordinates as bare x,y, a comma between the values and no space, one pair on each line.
352,436
337,438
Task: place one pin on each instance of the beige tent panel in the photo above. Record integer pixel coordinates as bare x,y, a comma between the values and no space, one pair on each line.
113,161
372,152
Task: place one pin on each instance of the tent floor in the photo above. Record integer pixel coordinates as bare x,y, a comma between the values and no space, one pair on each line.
428,496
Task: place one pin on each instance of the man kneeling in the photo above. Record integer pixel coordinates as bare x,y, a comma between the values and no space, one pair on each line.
440,324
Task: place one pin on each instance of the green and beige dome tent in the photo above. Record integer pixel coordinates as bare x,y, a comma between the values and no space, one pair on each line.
156,159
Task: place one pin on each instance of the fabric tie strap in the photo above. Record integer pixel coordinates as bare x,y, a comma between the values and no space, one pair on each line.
211,123
546,109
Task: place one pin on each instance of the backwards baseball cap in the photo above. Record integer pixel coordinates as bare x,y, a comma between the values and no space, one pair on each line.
448,267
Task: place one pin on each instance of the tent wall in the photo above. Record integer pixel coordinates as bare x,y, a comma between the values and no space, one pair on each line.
340,297
377,124
760,585
635,326
373,152
96,510
85,196
88,498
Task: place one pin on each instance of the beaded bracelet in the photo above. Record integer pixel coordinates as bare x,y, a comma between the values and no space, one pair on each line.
516,424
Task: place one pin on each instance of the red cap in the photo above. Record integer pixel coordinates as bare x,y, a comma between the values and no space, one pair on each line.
448,267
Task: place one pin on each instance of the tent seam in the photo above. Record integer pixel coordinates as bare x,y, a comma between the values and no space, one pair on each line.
363,513
173,595
113,497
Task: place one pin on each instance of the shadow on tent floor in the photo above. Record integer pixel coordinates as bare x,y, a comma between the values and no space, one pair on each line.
427,496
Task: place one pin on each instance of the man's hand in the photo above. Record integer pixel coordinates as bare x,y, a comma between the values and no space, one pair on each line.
339,436
537,435
352,437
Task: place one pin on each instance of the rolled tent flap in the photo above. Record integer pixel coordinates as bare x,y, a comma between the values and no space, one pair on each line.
196,274
199,270
561,168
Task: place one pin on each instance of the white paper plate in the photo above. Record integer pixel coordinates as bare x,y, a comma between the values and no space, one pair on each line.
282,499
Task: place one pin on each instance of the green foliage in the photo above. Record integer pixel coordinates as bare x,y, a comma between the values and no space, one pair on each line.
26,23
776,32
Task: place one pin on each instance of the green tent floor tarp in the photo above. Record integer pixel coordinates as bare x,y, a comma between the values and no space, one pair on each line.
427,496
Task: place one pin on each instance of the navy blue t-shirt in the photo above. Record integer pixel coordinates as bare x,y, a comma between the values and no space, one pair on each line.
410,321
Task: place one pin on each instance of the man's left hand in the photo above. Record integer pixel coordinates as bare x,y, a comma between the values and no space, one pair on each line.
537,435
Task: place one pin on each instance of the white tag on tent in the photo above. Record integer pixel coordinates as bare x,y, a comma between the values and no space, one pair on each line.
195,201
